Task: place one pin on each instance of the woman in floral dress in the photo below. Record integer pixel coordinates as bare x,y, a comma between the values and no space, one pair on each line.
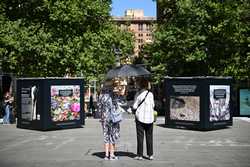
107,103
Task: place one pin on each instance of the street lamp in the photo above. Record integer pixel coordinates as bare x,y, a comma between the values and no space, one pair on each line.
117,55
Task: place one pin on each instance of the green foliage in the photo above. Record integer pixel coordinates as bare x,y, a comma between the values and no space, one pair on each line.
52,38
201,37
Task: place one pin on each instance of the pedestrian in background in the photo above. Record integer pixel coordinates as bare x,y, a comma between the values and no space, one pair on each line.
8,105
91,105
144,117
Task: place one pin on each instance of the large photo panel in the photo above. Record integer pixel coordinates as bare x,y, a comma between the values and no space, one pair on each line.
185,108
244,105
65,102
219,102
29,98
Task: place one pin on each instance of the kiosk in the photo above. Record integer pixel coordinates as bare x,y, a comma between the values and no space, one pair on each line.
202,103
50,103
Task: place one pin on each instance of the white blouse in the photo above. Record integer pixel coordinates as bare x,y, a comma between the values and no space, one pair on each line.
145,112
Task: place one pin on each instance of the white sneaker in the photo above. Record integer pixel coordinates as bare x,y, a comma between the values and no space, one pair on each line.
138,158
106,158
151,157
113,158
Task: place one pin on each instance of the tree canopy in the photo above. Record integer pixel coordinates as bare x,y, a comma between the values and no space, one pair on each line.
55,37
200,38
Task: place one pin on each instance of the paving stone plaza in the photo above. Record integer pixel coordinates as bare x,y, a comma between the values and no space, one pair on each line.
229,147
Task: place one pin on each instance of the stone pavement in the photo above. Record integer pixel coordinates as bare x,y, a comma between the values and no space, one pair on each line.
228,147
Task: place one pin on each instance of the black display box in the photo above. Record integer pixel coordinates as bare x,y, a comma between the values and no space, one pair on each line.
202,103
50,103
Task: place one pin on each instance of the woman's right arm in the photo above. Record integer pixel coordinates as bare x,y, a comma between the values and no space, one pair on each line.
135,104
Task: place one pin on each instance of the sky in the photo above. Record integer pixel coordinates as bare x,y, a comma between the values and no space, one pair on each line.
119,7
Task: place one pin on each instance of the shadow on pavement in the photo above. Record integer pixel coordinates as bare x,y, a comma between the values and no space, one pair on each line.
161,125
118,153
190,128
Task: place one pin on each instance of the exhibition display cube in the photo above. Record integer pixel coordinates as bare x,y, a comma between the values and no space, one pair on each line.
202,103
50,103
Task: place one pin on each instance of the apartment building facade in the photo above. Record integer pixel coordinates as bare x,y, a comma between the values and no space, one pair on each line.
141,26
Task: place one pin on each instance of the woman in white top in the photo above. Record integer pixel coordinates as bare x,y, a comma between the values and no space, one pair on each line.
144,106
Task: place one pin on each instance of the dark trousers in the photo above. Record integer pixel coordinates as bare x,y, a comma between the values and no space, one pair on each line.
148,129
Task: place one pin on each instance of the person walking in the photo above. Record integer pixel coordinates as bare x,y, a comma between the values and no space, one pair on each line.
8,100
144,118
91,105
108,104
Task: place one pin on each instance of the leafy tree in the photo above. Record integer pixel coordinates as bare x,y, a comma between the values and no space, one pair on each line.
201,37
55,37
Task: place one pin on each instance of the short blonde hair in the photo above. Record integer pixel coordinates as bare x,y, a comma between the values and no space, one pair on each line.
119,86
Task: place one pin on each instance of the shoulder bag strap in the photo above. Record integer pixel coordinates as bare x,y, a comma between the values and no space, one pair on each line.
142,101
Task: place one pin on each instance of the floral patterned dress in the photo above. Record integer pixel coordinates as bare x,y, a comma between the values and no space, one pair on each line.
106,105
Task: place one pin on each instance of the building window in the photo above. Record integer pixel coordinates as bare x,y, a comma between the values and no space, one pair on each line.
140,40
140,27
140,46
140,35
148,27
